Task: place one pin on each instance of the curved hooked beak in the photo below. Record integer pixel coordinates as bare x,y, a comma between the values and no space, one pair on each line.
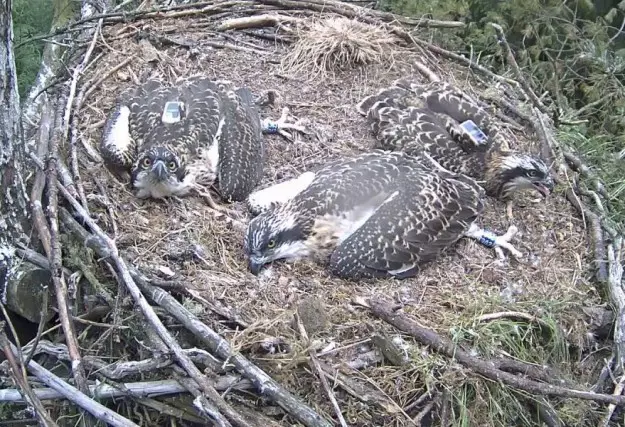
159,170
545,187
255,264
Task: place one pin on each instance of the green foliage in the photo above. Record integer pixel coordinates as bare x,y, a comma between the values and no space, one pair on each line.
30,18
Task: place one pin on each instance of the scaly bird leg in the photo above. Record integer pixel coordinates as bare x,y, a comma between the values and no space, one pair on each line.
509,206
282,125
491,240
231,216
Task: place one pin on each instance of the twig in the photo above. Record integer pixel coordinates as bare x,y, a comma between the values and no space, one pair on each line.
111,249
512,315
154,13
384,311
36,193
315,362
618,390
354,11
146,388
56,270
221,348
25,392
258,21
71,393
501,38
596,232
70,121
119,370
426,72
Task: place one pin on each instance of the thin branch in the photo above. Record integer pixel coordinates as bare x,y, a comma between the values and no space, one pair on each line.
105,391
56,269
74,395
315,363
501,38
25,392
151,316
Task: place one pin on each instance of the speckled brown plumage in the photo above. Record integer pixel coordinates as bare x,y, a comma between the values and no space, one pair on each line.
374,215
416,117
218,137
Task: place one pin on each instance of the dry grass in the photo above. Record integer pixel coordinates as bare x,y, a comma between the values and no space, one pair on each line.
336,44
206,255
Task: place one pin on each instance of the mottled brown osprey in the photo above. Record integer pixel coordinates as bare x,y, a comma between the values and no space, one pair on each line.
179,138
378,214
410,116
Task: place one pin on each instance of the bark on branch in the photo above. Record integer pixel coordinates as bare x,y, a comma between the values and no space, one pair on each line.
486,368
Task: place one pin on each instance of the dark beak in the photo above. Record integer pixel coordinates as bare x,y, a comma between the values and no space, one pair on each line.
255,266
159,170
544,187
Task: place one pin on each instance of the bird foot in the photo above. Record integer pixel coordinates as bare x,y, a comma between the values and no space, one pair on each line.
504,242
495,242
230,215
281,126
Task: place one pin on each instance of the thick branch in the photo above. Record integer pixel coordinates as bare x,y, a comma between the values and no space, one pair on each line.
486,368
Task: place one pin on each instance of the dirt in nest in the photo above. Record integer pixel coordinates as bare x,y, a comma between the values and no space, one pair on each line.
206,254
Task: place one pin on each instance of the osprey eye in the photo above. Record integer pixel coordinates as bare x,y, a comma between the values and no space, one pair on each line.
531,173
271,243
147,162
171,165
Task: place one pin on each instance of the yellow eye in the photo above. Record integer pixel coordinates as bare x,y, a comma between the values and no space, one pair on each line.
271,244
171,165
147,162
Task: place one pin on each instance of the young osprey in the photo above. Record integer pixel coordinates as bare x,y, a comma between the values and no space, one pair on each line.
410,116
175,139
379,214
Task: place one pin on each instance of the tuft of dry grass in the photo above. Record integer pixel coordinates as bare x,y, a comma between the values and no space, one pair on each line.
336,43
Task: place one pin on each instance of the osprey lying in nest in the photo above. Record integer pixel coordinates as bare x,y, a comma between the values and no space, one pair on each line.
412,117
379,214
177,139
385,213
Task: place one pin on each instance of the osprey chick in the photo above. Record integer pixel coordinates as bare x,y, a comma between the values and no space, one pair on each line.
379,214
412,117
181,138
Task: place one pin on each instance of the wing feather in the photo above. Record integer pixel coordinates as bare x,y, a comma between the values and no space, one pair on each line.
409,229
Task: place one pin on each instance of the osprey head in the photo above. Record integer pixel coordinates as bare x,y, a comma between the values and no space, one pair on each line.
512,172
274,234
158,172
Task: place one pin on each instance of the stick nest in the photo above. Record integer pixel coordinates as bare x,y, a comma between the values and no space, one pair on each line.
182,242
336,44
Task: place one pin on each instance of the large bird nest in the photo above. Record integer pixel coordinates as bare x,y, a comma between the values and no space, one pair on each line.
201,254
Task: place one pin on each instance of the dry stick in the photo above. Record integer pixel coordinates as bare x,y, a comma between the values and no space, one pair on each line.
69,126
18,376
617,295
119,370
115,17
618,390
39,218
354,11
74,395
456,57
259,21
56,270
315,362
221,348
384,310
151,316
501,39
